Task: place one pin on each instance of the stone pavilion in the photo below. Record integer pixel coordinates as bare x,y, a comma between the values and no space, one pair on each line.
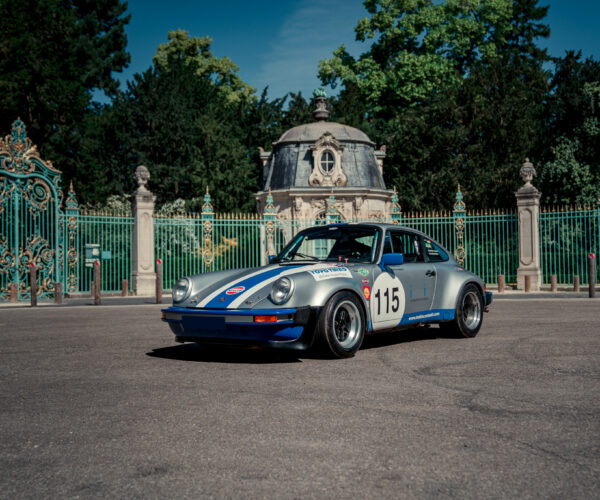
311,162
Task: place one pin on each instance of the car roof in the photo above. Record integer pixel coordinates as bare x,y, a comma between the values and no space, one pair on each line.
380,225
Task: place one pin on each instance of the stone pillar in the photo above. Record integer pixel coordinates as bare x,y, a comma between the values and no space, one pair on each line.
143,277
269,219
528,204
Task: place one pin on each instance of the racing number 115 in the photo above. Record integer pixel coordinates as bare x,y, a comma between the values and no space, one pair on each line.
386,295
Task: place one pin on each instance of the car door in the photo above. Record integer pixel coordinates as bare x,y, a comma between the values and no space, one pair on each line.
418,276
405,289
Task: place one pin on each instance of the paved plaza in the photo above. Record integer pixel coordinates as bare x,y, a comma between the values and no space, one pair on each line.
100,402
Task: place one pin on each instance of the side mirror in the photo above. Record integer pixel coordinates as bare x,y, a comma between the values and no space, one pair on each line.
392,259
271,258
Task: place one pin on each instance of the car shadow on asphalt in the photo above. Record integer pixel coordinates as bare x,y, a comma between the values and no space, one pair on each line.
228,354
395,337
223,354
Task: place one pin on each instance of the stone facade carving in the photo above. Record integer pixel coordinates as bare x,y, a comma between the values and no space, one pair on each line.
327,162
380,156
142,176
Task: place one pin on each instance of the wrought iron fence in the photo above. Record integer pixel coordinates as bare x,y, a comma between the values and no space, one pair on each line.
190,245
97,236
567,236
492,245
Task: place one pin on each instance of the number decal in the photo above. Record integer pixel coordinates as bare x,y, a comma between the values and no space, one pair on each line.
395,299
387,301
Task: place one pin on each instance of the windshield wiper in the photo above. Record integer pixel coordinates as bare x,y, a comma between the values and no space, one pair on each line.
304,256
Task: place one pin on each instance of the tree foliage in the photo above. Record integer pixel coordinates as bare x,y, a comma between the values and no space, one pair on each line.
459,92
54,55
187,132
456,90
195,52
420,48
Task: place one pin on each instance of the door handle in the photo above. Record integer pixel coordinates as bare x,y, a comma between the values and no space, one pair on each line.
430,272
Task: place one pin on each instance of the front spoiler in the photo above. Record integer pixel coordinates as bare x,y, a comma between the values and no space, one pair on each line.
294,328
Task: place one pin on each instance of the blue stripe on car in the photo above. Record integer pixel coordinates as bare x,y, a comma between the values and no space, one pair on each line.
222,300
427,316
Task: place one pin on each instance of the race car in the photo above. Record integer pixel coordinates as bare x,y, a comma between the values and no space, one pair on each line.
329,287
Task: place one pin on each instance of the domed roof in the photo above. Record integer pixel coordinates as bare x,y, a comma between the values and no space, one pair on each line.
293,160
310,132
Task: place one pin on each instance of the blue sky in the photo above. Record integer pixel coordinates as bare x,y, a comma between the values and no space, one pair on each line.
279,43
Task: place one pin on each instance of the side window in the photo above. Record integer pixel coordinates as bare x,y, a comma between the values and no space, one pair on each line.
434,252
408,245
387,244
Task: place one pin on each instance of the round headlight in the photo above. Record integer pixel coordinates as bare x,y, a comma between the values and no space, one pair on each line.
181,290
282,290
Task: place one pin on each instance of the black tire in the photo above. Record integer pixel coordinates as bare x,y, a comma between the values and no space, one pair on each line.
341,325
469,313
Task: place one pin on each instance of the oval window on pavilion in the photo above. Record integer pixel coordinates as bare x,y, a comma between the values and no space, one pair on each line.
327,162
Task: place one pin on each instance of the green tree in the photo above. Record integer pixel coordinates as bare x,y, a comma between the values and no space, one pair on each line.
565,179
420,48
180,124
573,110
195,52
571,173
55,54
468,107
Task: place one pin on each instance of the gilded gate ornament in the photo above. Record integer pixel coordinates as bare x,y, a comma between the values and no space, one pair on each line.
30,197
18,155
459,214
72,255
208,214
396,211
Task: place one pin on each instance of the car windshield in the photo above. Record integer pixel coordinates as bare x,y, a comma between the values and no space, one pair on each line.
332,244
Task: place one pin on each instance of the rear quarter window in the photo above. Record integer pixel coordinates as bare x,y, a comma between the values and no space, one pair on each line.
434,252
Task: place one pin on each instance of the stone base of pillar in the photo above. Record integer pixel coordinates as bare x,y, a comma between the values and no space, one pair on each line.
143,284
536,279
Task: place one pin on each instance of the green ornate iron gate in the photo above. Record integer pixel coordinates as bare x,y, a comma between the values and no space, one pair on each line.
30,217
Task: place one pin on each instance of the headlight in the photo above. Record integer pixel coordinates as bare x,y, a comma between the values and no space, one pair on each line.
181,290
282,290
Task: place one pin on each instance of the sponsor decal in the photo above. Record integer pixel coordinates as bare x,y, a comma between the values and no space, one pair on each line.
424,316
235,290
362,271
367,292
365,281
459,269
330,273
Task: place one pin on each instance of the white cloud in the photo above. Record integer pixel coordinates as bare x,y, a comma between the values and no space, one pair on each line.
311,33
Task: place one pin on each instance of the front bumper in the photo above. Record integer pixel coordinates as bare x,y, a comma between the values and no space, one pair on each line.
293,328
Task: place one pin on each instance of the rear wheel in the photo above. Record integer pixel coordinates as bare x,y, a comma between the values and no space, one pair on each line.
341,325
469,313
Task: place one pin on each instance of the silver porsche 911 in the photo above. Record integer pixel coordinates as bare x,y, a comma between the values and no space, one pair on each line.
329,287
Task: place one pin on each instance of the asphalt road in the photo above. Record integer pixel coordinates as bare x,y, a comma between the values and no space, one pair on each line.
100,402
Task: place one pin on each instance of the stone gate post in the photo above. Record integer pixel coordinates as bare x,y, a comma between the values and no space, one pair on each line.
143,277
528,205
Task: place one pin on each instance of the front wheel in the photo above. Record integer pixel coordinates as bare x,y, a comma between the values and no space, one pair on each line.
469,313
341,325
